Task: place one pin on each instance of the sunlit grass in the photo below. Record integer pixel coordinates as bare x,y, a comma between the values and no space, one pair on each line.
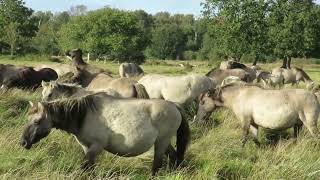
214,152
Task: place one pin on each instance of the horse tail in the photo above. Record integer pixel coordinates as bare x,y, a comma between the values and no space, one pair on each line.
183,137
141,92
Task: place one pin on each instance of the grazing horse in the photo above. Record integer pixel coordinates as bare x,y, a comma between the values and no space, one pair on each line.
54,90
61,69
29,78
126,87
124,127
271,109
294,76
218,75
130,70
270,79
236,65
177,89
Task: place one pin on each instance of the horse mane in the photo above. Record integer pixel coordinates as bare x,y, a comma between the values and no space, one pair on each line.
212,70
70,113
68,88
237,65
305,75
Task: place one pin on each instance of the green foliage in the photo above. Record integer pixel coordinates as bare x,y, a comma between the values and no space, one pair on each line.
17,24
108,32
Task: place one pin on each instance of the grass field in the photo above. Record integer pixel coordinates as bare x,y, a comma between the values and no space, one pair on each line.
214,152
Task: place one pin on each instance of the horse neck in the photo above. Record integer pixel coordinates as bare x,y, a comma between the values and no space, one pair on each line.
69,119
229,96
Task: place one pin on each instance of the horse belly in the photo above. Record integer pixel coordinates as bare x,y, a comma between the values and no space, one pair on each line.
276,118
131,134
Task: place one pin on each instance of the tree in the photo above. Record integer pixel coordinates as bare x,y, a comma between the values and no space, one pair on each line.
165,41
105,32
16,21
292,29
11,36
239,26
45,41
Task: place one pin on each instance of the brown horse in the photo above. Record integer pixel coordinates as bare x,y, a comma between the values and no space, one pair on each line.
29,78
77,61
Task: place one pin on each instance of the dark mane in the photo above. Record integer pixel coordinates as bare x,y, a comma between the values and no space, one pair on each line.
305,75
68,89
70,113
237,65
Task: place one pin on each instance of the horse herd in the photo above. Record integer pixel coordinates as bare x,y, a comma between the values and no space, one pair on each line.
127,117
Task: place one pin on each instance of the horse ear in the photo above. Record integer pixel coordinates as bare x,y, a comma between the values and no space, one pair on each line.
31,103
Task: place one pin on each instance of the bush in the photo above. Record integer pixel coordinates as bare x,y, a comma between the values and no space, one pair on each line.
189,55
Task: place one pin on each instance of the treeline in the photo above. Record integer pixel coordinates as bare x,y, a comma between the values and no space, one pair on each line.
241,29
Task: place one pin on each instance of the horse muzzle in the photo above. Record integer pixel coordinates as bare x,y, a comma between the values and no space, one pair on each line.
24,143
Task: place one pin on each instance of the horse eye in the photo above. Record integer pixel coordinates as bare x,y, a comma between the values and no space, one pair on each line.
50,95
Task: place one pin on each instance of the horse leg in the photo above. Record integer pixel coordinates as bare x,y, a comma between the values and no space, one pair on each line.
296,130
90,155
255,131
172,155
245,124
160,148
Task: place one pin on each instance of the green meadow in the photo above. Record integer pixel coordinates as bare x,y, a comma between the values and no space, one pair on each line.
214,152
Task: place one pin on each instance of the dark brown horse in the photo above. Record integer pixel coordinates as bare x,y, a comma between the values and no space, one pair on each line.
77,61
29,78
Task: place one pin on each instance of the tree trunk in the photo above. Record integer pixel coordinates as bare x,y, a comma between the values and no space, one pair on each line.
11,50
284,62
255,61
289,62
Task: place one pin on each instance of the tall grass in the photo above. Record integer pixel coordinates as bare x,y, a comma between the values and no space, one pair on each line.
215,152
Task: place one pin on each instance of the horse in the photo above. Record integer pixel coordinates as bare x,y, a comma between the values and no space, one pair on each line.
126,87
124,127
7,71
218,75
230,64
177,89
76,56
130,70
61,69
29,78
270,79
230,80
293,76
271,109
54,90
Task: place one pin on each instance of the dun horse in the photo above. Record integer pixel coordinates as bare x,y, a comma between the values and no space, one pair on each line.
272,109
294,76
54,90
218,75
178,89
125,127
130,70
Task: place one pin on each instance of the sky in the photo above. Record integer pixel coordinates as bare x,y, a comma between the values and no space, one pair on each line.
150,6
